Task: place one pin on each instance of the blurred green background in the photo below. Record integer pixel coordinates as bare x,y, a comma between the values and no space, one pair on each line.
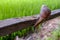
20,8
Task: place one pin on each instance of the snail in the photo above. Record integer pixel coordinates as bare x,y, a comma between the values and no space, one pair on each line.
44,13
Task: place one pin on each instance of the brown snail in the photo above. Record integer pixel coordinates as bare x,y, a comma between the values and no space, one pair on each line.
44,13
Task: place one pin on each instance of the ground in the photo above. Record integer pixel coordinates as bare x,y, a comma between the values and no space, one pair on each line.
49,31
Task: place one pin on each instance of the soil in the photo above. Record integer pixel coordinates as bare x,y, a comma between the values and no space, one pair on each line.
46,31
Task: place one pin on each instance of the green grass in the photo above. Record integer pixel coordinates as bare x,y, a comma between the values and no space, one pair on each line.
20,8
20,33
